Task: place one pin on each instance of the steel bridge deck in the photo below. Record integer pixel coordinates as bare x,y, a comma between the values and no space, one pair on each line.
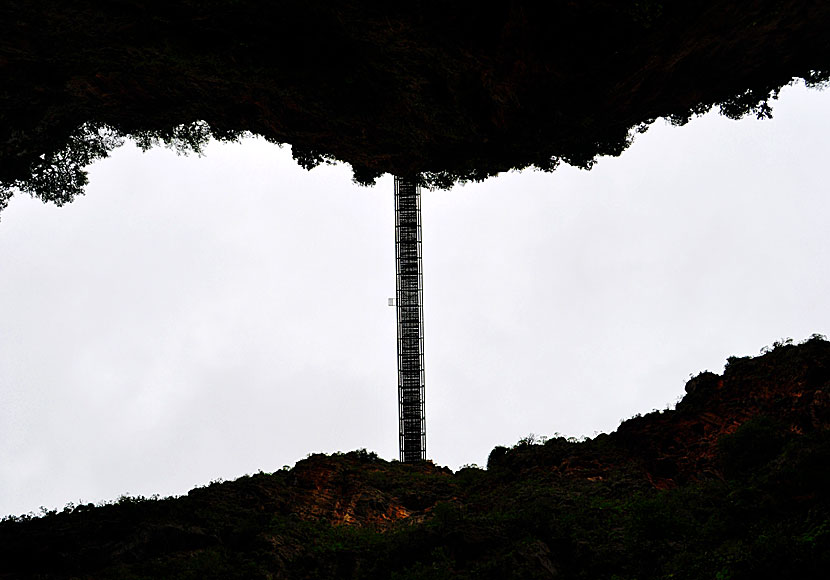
410,316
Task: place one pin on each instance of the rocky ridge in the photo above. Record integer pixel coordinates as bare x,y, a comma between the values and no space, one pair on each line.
441,89
755,438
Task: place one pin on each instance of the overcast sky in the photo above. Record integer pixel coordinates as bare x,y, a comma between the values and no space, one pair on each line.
199,318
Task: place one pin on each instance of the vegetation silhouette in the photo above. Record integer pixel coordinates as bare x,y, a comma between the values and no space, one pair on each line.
441,89
732,483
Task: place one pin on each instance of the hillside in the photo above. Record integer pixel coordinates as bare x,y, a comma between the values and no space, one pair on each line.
732,483
441,89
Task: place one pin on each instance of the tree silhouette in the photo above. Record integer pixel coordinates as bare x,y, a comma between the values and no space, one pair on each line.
444,90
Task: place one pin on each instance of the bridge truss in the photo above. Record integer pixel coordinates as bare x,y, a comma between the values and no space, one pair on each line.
410,316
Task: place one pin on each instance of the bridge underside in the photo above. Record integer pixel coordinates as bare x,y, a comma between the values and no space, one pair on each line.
410,316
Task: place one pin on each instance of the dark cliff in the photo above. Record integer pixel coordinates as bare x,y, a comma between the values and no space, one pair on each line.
733,483
444,89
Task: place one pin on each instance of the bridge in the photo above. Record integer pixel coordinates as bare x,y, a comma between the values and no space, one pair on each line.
410,317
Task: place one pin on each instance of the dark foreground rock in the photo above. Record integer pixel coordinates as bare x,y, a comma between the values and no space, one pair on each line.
444,89
733,483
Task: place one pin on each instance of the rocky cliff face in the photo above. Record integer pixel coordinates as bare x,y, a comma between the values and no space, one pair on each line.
341,491
444,89
734,481
788,384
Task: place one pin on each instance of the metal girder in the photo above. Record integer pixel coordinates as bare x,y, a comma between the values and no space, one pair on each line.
410,316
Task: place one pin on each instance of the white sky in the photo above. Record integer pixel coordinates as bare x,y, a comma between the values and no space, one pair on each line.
196,318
